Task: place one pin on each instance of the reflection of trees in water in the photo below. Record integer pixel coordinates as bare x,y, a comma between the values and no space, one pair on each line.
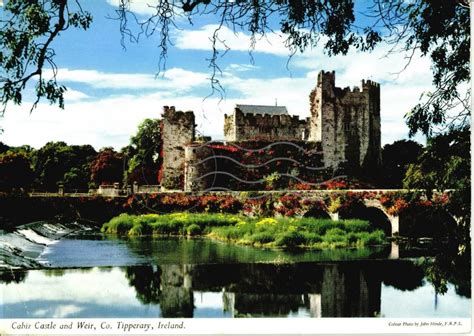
342,289
268,304
13,276
146,280
177,298
403,275
166,285
449,266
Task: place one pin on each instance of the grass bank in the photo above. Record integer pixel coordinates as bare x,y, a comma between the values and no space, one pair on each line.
282,232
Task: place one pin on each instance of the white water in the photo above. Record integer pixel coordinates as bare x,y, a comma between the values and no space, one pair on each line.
34,237
23,247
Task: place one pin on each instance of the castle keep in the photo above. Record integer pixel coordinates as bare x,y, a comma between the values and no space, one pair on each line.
344,125
346,122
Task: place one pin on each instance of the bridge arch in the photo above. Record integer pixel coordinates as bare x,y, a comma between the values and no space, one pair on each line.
317,212
432,222
374,213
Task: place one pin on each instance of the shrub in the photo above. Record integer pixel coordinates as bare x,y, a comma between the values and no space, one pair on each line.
193,230
262,237
289,239
335,235
120,224
356,225
311,237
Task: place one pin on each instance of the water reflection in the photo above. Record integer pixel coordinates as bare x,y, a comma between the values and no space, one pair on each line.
336,289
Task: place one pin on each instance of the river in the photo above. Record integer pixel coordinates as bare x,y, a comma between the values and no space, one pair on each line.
95,275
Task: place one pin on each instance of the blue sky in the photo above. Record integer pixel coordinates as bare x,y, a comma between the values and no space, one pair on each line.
111,90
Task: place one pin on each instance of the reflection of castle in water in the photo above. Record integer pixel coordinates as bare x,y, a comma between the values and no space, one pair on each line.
344,289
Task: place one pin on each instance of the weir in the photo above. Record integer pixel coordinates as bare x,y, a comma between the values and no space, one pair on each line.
22,247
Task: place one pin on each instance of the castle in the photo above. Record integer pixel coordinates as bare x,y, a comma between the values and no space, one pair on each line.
343,123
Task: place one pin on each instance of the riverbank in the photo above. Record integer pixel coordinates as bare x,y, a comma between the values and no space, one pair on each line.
280,232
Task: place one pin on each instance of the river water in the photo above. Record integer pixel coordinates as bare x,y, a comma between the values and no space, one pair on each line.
94,275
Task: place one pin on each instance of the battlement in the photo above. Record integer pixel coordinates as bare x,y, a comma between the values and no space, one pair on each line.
327,76
170,113
370,84
242,126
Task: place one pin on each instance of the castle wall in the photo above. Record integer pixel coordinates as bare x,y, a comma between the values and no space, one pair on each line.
347,122
196,167
178,130
245,165
245,127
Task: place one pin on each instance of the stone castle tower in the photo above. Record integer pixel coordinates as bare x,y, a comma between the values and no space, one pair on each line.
346,122
177,131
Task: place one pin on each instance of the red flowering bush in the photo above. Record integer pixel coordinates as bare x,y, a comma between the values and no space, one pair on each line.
302,186
398,207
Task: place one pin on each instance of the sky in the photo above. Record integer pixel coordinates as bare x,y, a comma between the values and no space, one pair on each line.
112,89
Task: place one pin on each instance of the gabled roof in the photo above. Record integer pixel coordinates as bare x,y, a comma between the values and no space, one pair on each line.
262,109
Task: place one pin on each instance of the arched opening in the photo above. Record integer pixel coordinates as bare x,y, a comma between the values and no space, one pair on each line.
317,213
377,218
427,222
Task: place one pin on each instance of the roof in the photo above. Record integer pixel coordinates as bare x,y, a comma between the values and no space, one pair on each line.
262,109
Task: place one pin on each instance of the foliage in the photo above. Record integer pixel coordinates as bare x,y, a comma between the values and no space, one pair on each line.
144,153
175,223
446,164
3,147
58,162
28,29
270,232
15,171
107,167
396,158
435,29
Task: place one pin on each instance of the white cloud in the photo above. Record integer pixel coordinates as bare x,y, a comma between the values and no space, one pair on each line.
200,39
172,79
234,67
110,121
73,95
142,7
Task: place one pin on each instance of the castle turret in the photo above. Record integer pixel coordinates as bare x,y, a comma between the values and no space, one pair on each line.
346,122
198,165
178,130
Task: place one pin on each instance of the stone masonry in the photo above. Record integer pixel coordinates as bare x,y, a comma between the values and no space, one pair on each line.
178,131
345,122
260,122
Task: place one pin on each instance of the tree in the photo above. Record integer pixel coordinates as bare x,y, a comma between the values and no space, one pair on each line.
3,147
395,160
445,163
27,30
144,153
107,167
58,162
15,171
438,29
